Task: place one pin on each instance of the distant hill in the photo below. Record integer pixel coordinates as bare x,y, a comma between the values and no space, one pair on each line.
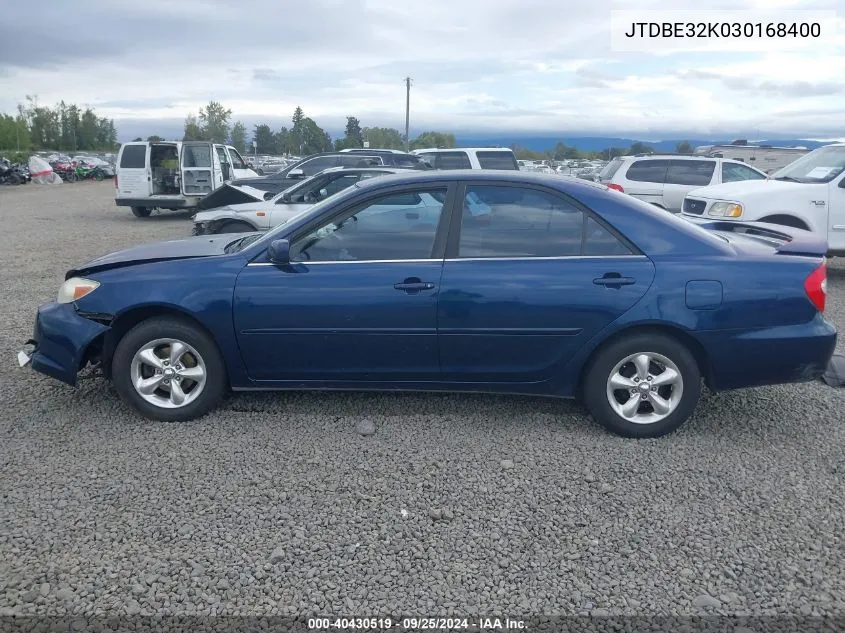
598,143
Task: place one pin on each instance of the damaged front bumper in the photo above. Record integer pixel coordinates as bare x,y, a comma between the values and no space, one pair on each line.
60,342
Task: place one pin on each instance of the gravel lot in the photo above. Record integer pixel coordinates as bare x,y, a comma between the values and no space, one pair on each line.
276,504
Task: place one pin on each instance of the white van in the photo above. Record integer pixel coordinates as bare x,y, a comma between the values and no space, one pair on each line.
173,174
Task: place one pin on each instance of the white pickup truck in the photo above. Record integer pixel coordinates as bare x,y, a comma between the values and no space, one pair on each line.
808,194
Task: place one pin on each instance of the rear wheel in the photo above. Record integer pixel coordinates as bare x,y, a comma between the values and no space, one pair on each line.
141,212
168,369
235,227
645,385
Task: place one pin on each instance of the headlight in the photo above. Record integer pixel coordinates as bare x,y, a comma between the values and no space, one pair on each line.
76,288
725,210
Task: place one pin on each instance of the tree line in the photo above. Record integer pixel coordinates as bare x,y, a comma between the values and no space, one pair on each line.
304,136
63,127
67,127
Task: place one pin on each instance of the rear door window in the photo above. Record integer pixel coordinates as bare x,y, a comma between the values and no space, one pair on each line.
497,160
648,171
697,173
503,221
133,157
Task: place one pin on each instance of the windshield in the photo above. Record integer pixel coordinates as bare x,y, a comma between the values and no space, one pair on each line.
821,165
299,188
239,245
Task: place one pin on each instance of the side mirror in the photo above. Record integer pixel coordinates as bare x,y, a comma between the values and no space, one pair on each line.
269,195
279,252
296,173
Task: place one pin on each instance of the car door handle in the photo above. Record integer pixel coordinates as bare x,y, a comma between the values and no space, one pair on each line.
614,280
413,285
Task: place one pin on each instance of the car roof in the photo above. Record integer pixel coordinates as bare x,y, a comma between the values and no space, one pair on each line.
670,156
463,149
409,177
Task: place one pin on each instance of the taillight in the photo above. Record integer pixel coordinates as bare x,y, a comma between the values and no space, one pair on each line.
816,287
115,181
613,185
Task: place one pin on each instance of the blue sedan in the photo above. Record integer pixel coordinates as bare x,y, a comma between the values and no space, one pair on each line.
503,282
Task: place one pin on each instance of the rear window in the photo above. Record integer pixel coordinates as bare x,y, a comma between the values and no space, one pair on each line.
610,169
134,157
497,160
648,171
690,172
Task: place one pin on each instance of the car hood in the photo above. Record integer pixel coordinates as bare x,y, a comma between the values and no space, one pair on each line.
189,247
230,194
741,190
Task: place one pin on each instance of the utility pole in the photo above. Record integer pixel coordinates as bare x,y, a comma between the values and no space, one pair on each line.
407,113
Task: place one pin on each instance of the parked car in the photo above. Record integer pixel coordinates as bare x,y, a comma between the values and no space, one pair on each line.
469,158
173,174
553,287
664,180
261,215
809,193
315,163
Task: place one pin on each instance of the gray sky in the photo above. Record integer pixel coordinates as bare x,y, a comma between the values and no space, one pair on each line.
531,65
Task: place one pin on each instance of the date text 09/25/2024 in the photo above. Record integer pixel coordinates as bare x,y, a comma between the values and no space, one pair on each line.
416,624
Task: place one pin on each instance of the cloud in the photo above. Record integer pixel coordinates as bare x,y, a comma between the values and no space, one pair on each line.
476,64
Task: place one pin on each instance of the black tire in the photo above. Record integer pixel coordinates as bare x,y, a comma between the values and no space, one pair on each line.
216,380
141,212
603,364
98,176
235,227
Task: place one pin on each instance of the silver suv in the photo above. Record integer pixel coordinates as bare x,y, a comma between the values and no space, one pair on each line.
664,180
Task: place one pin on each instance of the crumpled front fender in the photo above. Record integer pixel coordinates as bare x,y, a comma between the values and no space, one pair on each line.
61,337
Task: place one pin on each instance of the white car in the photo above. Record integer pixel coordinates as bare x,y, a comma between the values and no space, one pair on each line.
808,194
469,158
664,180
262,215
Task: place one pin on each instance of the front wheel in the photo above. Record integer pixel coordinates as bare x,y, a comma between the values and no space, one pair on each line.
169,370
645,385
141,212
